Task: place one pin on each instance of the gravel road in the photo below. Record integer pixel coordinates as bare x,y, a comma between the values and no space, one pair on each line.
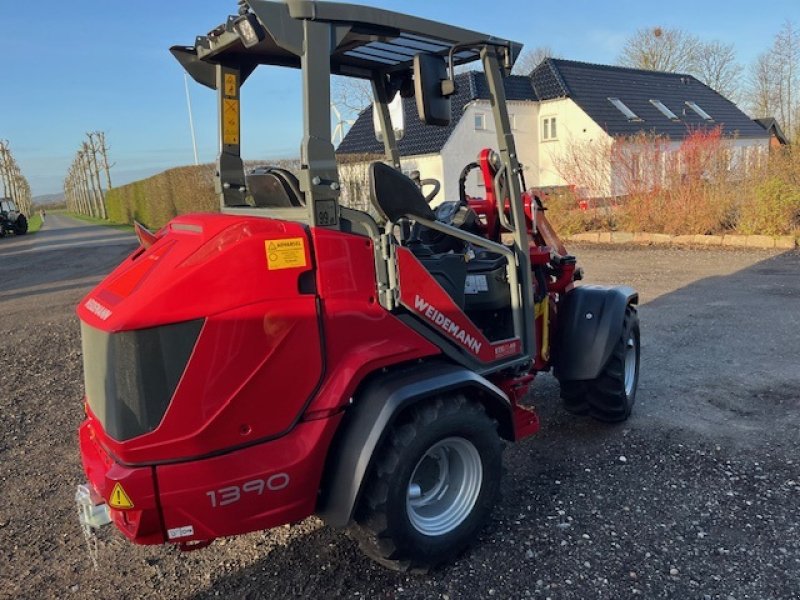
696,497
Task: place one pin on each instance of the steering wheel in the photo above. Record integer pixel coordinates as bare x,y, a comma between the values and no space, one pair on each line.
437,187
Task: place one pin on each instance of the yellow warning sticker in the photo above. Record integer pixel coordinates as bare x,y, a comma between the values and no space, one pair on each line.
286,254
119,499
230,122
230,85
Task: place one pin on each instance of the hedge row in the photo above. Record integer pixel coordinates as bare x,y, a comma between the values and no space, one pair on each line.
156,200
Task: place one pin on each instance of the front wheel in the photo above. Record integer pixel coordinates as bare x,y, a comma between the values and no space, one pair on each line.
432,485
21,226
610,397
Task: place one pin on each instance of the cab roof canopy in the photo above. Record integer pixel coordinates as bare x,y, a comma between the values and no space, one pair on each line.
366,41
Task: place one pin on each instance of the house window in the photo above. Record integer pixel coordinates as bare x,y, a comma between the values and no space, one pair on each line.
549,129
664,110
701,113
480,122
629,114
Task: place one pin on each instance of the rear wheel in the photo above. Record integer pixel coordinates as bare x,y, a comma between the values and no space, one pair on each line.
611,396
21,226
432,487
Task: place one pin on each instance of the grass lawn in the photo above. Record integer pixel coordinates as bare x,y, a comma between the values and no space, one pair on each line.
34,223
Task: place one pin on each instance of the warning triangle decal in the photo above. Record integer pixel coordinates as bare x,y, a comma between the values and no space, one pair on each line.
119,499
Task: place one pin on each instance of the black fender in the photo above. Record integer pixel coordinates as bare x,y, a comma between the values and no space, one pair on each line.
375,407
590,319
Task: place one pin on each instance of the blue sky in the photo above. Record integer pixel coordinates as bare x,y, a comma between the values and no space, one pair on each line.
74,66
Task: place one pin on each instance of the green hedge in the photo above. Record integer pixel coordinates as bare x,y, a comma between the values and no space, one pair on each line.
154,201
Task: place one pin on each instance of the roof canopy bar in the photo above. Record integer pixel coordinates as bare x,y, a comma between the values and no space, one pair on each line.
365,40
321,39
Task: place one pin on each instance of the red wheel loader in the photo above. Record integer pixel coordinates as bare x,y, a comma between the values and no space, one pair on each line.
292,356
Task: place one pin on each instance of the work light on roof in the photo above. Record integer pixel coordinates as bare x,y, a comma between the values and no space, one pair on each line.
249,30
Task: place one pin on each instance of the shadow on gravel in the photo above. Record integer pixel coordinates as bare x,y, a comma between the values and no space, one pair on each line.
718,355
320,564
719,365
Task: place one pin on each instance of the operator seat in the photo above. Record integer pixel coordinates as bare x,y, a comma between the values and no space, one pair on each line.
273,187
395,197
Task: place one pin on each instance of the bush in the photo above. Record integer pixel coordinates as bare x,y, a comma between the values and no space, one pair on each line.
156,200
773,207
588,216
705,185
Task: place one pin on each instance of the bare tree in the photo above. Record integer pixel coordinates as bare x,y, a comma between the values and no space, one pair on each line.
715,65
761,88
351,95
660,49
530,59
83,186
786,56
774,81
15,186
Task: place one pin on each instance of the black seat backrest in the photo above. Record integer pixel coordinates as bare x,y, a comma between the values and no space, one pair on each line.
394,195
272,187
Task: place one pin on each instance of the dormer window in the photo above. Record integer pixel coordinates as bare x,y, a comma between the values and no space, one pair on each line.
629,114
700,112
664,110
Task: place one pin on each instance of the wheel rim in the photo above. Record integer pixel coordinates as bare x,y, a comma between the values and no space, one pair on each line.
444,486
630,366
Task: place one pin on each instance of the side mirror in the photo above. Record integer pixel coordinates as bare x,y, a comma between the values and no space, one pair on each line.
396,115
430,70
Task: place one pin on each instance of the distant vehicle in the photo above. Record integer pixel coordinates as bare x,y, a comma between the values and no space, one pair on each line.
11,220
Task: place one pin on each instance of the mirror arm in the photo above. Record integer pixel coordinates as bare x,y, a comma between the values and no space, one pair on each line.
449,86
381,93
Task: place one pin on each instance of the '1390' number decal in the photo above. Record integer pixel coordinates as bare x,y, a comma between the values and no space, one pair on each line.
232,494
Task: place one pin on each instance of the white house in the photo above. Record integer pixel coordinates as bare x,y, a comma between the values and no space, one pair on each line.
561,105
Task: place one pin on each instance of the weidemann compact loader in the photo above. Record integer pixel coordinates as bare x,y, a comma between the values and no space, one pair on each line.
291,356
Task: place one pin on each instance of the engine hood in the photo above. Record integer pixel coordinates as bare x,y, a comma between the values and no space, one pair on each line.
200,265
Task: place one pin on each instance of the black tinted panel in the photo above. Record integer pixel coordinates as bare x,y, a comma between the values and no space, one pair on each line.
131,376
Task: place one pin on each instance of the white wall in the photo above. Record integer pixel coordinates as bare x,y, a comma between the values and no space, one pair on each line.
354,178
466,143
538,156
430,166
573,126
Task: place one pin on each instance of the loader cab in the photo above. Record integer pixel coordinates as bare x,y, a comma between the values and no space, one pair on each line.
487,282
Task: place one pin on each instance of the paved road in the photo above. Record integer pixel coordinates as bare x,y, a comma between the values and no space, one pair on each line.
65,254
695,497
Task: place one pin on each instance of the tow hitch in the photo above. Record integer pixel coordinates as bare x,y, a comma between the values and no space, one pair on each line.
93,514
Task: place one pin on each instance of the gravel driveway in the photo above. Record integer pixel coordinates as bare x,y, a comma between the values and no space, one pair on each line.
697,496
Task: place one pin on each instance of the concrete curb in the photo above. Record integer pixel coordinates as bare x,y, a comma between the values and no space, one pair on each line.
784,242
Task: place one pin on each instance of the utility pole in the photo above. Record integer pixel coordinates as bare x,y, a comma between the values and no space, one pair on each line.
191,117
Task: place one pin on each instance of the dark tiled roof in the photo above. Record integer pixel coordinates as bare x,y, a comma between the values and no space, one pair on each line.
772,127
590,86
547,81
430,139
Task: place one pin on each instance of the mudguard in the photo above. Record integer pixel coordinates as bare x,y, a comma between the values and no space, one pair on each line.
369,418
589,323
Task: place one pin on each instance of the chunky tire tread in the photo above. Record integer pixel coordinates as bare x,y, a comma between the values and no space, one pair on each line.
379,529
21,226
604,398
